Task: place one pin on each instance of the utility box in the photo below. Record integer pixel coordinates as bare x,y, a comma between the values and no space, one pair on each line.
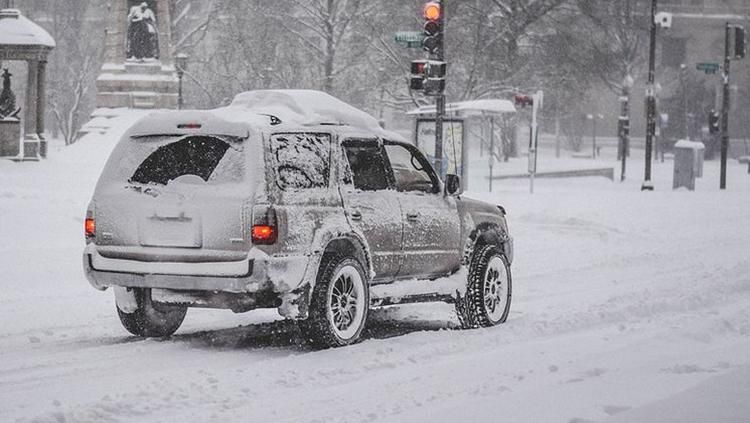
688,163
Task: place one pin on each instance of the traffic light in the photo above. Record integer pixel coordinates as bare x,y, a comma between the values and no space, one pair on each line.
416,80
523,100
739,42
433,28
713,122
434,86
428,76
624,126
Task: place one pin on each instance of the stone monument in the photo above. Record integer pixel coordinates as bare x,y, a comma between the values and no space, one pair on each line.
138,70
10,125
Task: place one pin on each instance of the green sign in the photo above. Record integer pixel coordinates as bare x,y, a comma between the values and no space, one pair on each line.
409,38
412,44
708,68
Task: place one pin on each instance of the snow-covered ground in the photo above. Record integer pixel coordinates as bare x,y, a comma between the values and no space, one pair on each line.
628,307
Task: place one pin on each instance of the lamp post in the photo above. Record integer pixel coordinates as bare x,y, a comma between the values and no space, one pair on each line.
624,123
650,101
181,60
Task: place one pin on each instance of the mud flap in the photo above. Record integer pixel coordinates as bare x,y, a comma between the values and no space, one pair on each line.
296,303
461,310
125,299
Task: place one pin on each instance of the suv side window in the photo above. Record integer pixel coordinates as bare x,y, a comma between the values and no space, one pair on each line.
301,160
411,170
367,164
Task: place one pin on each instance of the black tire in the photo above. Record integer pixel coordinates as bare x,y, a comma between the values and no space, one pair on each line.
475,308
152,320
320,329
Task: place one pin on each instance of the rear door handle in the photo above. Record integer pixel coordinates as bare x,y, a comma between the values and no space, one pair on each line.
412,216
356,215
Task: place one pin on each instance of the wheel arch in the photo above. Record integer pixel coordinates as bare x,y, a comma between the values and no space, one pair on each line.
483,234
353,245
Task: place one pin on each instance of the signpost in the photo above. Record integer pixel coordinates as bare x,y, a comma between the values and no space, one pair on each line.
538,98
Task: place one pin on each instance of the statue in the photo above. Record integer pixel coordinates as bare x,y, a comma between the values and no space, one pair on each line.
8,98
143,34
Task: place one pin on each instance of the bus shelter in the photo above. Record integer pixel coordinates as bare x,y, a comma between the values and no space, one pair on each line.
467,124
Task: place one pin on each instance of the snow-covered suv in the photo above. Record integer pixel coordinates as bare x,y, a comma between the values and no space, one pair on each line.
291,200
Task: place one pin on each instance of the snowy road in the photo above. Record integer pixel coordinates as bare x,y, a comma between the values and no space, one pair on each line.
628,306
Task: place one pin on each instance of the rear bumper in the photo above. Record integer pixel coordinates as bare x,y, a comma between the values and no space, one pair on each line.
258,272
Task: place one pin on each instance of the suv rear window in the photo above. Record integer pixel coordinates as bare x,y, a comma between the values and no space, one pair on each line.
301,160
161,159
199,156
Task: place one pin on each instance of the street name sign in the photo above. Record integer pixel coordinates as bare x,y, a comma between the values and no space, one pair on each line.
410,39
708,68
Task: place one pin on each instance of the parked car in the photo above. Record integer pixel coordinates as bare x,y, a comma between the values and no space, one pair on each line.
291,200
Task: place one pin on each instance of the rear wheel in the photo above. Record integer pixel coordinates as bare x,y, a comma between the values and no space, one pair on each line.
151,319
489,287
339,303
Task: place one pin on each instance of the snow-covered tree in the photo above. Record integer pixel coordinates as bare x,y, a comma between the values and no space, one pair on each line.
73,65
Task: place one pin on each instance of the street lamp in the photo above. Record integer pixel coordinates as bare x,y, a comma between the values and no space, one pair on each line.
624,123
650,100
181,60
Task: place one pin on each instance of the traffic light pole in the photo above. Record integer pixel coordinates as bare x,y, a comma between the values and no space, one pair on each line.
624,126
440,102
725,110
650,102
439,113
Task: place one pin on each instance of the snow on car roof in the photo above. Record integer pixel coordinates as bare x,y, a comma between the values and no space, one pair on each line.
268,111
304,107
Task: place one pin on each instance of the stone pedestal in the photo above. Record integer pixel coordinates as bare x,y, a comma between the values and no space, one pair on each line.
144,84
10,137
32,147
137,85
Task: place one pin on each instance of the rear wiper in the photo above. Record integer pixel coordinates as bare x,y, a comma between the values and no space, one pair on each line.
141,190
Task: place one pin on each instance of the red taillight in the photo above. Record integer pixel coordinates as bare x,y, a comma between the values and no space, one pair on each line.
264,234
90,227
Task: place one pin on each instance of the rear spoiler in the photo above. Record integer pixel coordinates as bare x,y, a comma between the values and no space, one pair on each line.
187,123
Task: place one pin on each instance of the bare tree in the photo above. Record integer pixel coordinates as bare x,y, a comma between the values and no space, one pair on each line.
612,40
73,65
484,39
325,26
190,23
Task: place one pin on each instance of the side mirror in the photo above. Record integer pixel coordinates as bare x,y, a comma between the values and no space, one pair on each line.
452,184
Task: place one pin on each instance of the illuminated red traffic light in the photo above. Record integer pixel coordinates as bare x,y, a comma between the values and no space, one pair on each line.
523,100
432,11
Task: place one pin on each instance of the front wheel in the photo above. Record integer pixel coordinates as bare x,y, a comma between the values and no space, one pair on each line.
150,319
489,287
339,304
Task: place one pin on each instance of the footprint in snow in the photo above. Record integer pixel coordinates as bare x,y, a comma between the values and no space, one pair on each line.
614,409
681,369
